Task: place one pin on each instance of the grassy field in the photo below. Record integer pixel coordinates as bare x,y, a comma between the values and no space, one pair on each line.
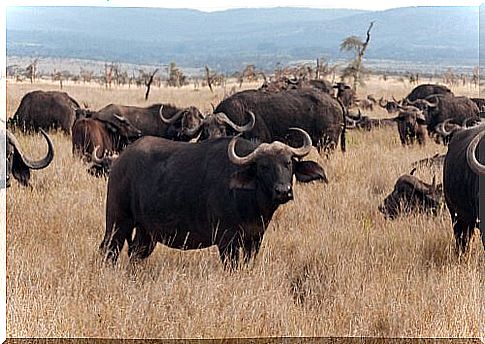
330,264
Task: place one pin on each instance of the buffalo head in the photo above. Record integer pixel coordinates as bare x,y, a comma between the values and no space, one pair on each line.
218,124
410,124
390,106
19,165
182,123
412,195
269,169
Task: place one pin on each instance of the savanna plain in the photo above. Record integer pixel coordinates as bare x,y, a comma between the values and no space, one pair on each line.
330,263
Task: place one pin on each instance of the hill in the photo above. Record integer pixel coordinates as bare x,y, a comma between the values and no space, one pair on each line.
227,40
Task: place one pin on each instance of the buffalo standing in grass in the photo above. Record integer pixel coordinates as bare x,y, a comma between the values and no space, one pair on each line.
316,112
461,173
425,90
111,135
411,125
220,192
437,109
46,110
19,165
162,120
412,195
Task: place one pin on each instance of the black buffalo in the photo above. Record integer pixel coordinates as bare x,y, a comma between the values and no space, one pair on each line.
19,165
461,172
437,109
162,120
219,192
316,112
411,195
345,94
425,90
46,110
411,125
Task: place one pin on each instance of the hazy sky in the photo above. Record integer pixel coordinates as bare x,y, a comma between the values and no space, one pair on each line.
214,5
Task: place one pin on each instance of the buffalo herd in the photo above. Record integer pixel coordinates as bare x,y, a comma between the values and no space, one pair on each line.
191,180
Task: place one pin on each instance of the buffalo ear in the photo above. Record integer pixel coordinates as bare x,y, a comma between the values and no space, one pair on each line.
306,171
20,171
244,179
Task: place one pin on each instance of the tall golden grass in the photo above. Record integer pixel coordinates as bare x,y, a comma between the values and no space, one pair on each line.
330,264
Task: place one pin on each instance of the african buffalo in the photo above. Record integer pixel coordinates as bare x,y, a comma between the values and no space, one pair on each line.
412,195
437,109
425,90
391,106
46,110
411,125
284,83
19,165
345,94
217,125
162,120
461,172
316,112
367,123
219,192
110,135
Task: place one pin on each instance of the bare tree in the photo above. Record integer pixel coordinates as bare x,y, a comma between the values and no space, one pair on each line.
31,70
355,69
208,78
148,83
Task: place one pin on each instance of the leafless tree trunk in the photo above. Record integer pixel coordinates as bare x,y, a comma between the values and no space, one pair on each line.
148,83
208,77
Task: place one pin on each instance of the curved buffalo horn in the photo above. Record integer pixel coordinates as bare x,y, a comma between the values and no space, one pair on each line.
474,164
412,171
171,119
435,96
395,100
94,156
119,117
380,102
293,80
32,164
223,117
263,148
441,128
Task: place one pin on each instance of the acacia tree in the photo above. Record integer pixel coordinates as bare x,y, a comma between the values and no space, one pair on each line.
355,70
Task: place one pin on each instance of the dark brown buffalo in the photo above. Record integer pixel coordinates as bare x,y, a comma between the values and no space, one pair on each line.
461,173
19,165
169,124
285,83
316,112
217,125
367,103
425,90
110,135
391,106
411,195
437,109
219,192
345,94
411,125
46,110
366,123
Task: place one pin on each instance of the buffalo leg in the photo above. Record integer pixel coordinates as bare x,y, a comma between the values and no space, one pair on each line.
463,233
142,245
251,249
114,239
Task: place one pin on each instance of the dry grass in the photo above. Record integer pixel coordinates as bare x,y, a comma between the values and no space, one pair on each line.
330,264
